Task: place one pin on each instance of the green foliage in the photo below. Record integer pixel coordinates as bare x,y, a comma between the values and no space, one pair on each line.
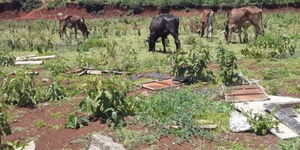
28,5
106,101
271,46
262,123
57,4
228,66
289,144
4,126
74,122
6,59
132,138
192,67
40,123
55,92
57,67
20,90
13,145
182,109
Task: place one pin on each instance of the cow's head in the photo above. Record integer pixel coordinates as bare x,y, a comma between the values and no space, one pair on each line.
151,43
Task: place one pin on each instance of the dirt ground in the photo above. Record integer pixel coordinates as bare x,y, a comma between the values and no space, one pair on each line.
54,136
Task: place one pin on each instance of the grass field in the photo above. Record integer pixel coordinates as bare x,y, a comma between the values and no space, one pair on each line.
119,44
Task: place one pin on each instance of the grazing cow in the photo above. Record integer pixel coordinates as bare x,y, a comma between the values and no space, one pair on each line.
161,26
206,18
75,22
240,19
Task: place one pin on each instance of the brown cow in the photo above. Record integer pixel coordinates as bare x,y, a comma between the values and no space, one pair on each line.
240,19
75,22
206,18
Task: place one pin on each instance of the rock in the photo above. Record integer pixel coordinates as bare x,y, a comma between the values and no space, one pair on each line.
30,146
238,122
100,142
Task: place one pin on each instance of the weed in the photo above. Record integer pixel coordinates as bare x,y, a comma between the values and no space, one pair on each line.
290,144
106,101
20,90
56,127
6,59
40,124
56,115
262,123
57,67
74,122
4,126
55,92
228,66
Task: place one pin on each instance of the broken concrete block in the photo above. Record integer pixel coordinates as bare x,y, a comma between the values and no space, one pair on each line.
100,142
238,122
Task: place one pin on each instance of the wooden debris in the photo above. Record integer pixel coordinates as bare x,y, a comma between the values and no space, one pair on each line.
29,62
94,72
159,85
23,58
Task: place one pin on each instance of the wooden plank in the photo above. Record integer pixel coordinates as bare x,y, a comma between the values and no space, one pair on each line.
29,62
244,98
154,86
245,92
20,58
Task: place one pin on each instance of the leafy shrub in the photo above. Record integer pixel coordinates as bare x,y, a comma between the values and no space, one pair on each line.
4,126
178,112
57,67
19,90
6,59
56,4
192,67
55,92
74,122
92,6
228,66
106,101
271,46
27,5
262,123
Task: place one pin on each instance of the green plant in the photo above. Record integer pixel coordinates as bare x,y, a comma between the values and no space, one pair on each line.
40,123
55,92
262,123
176,112
4,126
57,67
106,101
27,5
6,59
289,144
74,122
56,4
19,90
192,67
228,66
271,46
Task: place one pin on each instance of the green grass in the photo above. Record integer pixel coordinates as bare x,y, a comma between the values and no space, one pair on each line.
119,44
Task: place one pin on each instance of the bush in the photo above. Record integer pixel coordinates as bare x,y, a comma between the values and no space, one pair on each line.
262,123
228,66
27,5
57,67
271,46
57,4
106,101
192,67
55,92
20,90
4,126
6,59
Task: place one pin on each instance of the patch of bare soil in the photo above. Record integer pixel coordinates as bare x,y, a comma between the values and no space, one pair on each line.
54,135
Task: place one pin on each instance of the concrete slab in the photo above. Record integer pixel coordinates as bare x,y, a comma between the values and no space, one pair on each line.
283,132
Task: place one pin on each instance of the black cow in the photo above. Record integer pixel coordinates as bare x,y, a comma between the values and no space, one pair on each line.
161,26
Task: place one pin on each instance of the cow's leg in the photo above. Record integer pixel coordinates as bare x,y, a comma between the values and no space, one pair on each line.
246,40
177,41
240,35
203,27
209,32
75,32
163,40
229,35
